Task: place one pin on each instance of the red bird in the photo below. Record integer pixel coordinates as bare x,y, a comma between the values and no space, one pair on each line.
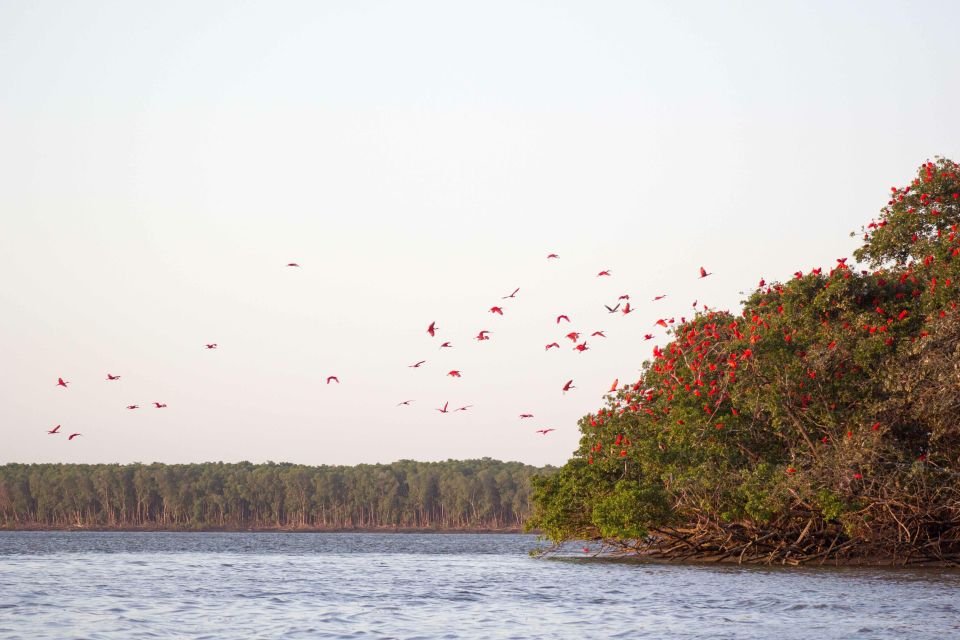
525,415
552,256
552,345
573,335
160,405
444,410
661,322
512,295
212,345
416,365
627,309
605,272
496,310
581,347
73,435
661,297
133,406
292,264
463,408
483,335
432,329
562,317
624,297
446,345
598,333
334,378
762,284
405,403
545,431
61,383
568,386
56,429
110,377
703,273
613,387
454,374
648,336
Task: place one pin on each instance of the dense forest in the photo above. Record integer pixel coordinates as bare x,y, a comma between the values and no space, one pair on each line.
819,423
457,494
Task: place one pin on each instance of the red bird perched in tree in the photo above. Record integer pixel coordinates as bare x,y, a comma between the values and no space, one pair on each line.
568,386
798,274
446,345
444,409
405,403
762,284
333,378
454,373
598,333
483,335
496,310
292,264
661,297
160,405
56,429
73,435
62,383
703,273
525,415
573,335
605,272
562,317
552,256
545,431
133,406
552,345
212,345
110,377
613,387
416,365
581,347
432,329
512,295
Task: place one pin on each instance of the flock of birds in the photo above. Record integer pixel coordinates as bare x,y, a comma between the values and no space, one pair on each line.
622,306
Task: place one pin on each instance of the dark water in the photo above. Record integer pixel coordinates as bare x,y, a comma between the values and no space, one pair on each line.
262,585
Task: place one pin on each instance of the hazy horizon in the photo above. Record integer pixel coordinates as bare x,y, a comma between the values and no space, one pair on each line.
419,161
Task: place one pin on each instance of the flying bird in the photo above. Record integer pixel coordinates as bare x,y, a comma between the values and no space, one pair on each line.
703,273
605,272
496,310
160,405
568,386
56,429
627,309
545,431
446,345
573,336
512,295
334,378
416,365
613,387
212,345
582,347
598,333
292,264
562,317
552,345
464,408
483,335
661,322
133,406
612,309
660,297
110,377
648,336
61,383
552,256
405,403
624,297
454,373
73,435
432,329
525,415
444,410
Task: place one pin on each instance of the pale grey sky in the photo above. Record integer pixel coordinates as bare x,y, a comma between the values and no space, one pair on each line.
160,163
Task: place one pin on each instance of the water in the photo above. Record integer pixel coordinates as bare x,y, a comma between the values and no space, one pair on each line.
263,585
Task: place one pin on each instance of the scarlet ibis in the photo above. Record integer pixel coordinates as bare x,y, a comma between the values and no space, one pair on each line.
110,377
562,317
444,409
292,264
446,345
56,429
605,272
545,431
432,329
61,383
573,336
648,336
582,347
454,373
463,408
627,309
498,310
416,365
483,335
598,333
660,297
160,405
73,435
703,273
612,309
552,256
133,406
333,378
613,387
624,297
212,345
512,295
552,345
405,403
568,386
525,415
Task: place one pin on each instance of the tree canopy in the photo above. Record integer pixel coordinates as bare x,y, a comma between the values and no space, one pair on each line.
818,424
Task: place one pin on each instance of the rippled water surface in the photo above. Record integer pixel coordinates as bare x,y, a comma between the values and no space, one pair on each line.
264,585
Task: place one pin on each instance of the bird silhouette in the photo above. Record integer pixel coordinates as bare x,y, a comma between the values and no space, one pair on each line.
612,309
483,335
56,429
432,329
613,387
464,408
552,345
160,405
111,377
405,403
454,373
552,256
292,264
73,435
333,378
497,310
512,295
444,409
605,272
703,273
133,406
446,345
62,383
568,386
545,431
660,297
212,345
562,317
598,333
525,415
416,365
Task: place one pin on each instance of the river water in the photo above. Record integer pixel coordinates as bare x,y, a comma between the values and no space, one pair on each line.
348,585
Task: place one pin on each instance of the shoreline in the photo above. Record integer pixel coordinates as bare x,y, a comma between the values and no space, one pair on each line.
70,529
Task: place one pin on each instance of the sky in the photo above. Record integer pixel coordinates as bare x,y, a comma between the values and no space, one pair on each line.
161,163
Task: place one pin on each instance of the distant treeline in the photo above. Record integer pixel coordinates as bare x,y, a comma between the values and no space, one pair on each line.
456,494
